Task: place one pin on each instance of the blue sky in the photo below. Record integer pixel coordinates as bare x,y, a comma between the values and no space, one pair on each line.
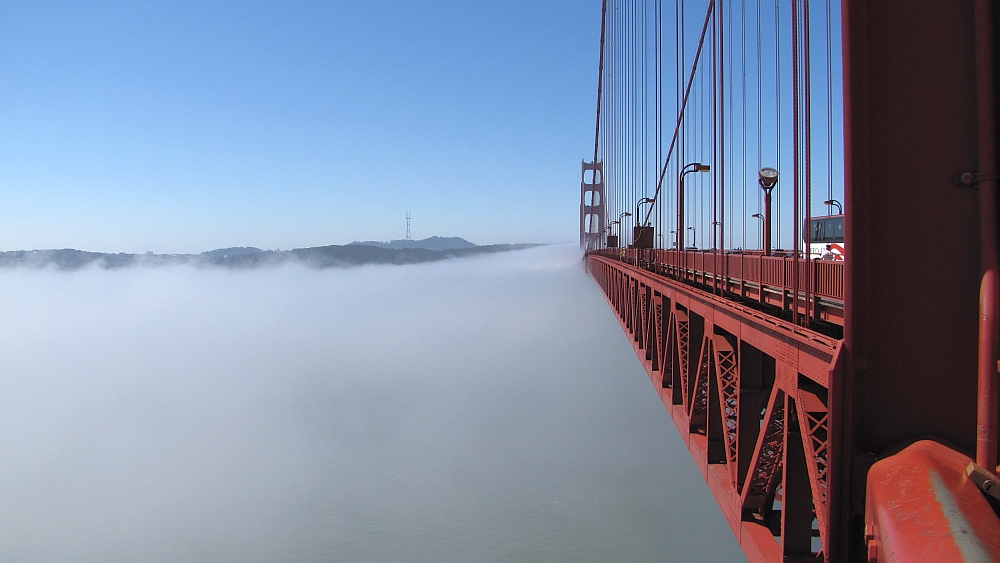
181,127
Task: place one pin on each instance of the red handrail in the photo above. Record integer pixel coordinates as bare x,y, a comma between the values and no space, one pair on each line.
770,273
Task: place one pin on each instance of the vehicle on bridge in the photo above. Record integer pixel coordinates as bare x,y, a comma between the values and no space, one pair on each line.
826,238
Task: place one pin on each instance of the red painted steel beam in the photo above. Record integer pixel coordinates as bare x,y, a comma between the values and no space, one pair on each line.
922,506
718,364
912,126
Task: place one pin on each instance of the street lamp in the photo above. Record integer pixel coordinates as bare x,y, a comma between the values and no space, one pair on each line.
613,239
767,178
642,201
642,233
761,217
689,168
620,217
694,235
840,208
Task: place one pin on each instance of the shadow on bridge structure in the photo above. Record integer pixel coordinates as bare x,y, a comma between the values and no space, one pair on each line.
791,207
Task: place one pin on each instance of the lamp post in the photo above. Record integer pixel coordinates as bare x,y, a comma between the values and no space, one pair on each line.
637,205
767,178
612,240
840,208
694,235
620,217
642,233
689,168
759,231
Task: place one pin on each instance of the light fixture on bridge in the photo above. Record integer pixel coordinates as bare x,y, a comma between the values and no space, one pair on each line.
840,208
768,178
642,201
642,233
761,217
617,238
694,235
612,240
688,168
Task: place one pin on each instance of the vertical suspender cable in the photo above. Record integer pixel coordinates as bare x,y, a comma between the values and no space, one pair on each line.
796,156
680,114
609,127
760,124
636,111
731,182
718,142
721,131
829,107
615,76
807,117
678,93
645,98
658,228
699,209
618,74
631,112
743,113
777,113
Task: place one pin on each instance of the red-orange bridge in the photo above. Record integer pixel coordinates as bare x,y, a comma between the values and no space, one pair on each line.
792,208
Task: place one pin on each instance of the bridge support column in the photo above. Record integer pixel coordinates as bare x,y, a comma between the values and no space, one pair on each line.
593,207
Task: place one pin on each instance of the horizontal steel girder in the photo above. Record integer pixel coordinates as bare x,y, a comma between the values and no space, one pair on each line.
749,394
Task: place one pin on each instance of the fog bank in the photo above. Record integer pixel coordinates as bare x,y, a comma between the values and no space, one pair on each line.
482,409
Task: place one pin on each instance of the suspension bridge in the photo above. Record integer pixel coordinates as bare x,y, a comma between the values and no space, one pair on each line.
791,207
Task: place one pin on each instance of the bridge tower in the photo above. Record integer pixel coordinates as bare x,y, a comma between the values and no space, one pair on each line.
592,205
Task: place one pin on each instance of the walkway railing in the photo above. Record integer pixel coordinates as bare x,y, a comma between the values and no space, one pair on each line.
750,276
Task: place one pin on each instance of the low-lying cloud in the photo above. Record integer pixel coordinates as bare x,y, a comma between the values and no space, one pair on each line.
477,409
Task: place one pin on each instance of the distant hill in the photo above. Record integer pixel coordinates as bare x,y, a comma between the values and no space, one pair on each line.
248,257
431,243
235,251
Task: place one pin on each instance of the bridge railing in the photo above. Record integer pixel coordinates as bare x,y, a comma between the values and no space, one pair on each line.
750,275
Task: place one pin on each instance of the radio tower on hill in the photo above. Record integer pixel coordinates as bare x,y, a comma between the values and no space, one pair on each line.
407,225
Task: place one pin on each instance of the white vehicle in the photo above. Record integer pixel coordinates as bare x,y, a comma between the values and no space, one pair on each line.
826,238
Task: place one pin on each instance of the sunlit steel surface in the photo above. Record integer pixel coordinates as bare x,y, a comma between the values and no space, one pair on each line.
808,390
748,392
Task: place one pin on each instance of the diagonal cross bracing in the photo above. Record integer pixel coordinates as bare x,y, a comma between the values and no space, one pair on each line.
691,343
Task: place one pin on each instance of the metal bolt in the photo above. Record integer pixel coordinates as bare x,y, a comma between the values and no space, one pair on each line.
872,551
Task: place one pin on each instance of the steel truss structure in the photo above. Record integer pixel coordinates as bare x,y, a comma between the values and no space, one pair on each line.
749,394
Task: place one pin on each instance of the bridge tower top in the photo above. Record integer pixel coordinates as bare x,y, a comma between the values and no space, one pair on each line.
593,207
